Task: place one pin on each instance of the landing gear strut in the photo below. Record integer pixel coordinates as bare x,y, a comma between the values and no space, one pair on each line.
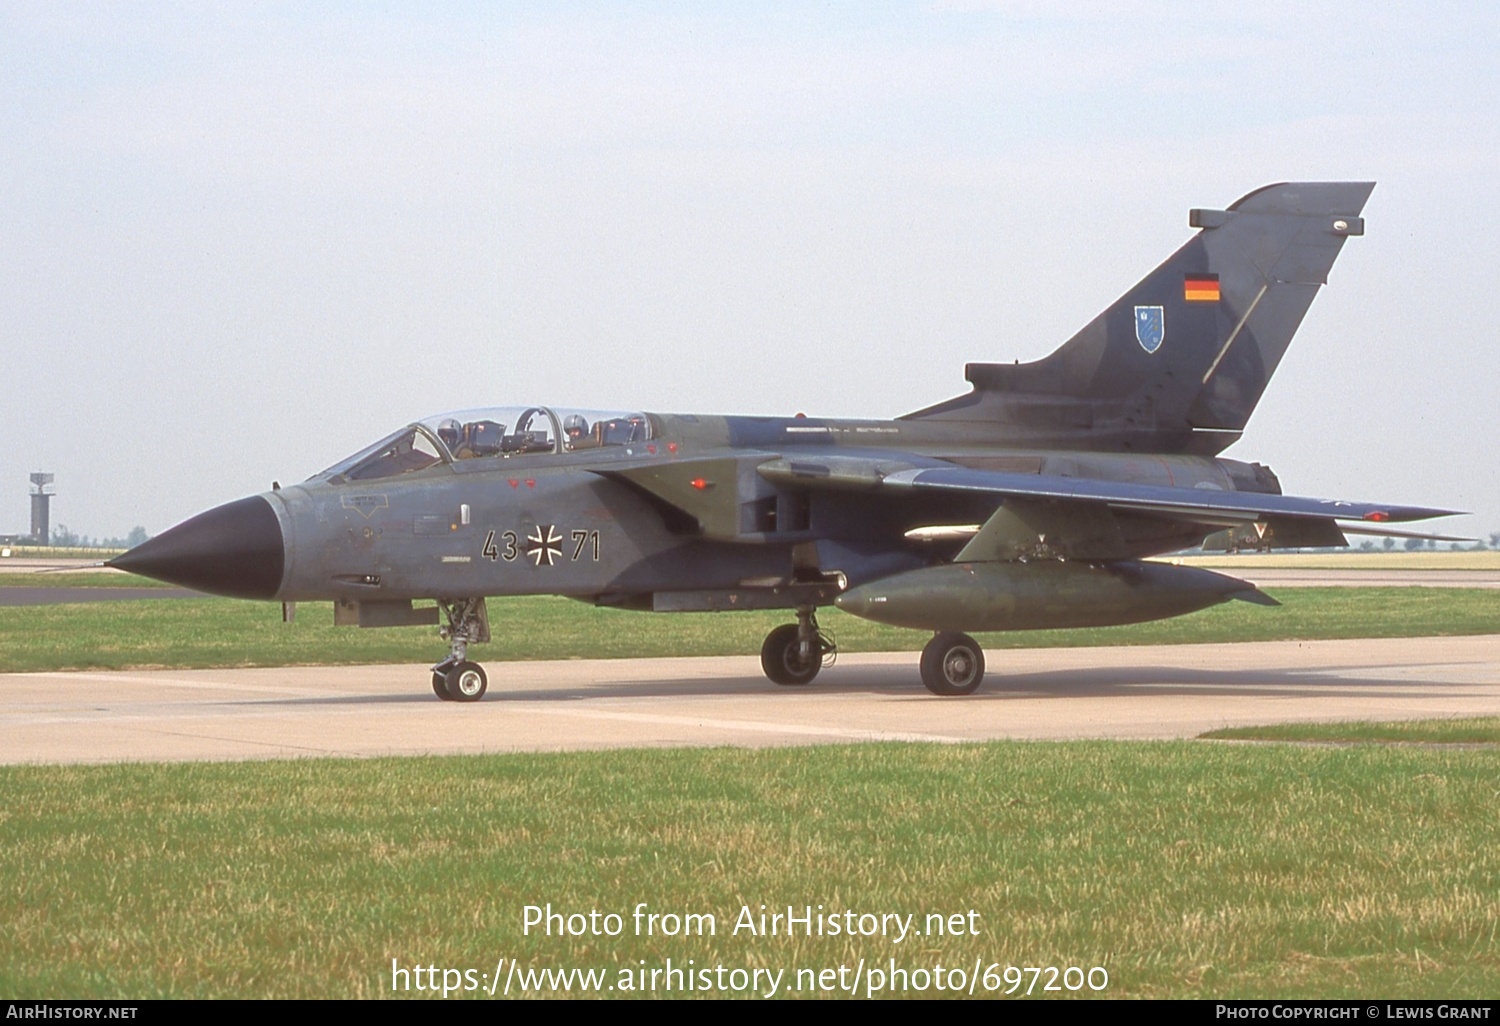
794,653
952,664
455,679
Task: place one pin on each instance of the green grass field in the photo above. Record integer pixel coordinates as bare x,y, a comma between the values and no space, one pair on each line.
1186,869
1482,730
186,633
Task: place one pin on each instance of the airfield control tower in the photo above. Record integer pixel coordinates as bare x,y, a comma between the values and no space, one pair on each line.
41,512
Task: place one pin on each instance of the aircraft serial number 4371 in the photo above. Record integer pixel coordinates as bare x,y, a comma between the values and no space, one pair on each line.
1030,502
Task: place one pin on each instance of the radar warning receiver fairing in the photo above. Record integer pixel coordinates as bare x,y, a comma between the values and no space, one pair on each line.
1032,501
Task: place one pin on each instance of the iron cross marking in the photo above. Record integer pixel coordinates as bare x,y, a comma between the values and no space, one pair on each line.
544,543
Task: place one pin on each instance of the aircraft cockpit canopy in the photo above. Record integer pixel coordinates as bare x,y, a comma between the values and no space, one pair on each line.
497,433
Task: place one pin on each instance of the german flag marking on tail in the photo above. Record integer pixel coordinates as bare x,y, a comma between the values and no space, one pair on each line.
1200,288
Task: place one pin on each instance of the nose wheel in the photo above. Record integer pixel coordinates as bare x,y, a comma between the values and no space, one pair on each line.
463,682
952,664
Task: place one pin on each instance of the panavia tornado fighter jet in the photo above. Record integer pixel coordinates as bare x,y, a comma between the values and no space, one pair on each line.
1032,501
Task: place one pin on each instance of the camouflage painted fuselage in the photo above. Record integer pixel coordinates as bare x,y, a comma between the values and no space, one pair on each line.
686,519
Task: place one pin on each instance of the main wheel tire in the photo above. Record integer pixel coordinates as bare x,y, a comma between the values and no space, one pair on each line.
952,664
466,682
440,687
781,658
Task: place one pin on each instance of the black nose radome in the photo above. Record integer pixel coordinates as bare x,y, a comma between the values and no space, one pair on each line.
234,550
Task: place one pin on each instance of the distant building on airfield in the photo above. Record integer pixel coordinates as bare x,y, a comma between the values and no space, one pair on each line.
41,509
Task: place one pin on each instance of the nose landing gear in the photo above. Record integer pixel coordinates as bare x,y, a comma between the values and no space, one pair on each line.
456,679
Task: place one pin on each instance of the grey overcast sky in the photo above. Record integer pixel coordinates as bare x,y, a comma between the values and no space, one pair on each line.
243,240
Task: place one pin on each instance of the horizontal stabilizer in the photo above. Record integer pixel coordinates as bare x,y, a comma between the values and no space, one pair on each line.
1212,506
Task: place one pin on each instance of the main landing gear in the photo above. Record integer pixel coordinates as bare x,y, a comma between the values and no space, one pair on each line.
455,679
794,653
952,664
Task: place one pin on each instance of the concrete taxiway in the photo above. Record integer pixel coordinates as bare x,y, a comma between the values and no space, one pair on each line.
1128,692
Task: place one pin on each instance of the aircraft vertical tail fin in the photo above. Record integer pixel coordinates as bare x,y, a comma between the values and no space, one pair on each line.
1178,363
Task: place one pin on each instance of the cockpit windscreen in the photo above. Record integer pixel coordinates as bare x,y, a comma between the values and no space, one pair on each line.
493,433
